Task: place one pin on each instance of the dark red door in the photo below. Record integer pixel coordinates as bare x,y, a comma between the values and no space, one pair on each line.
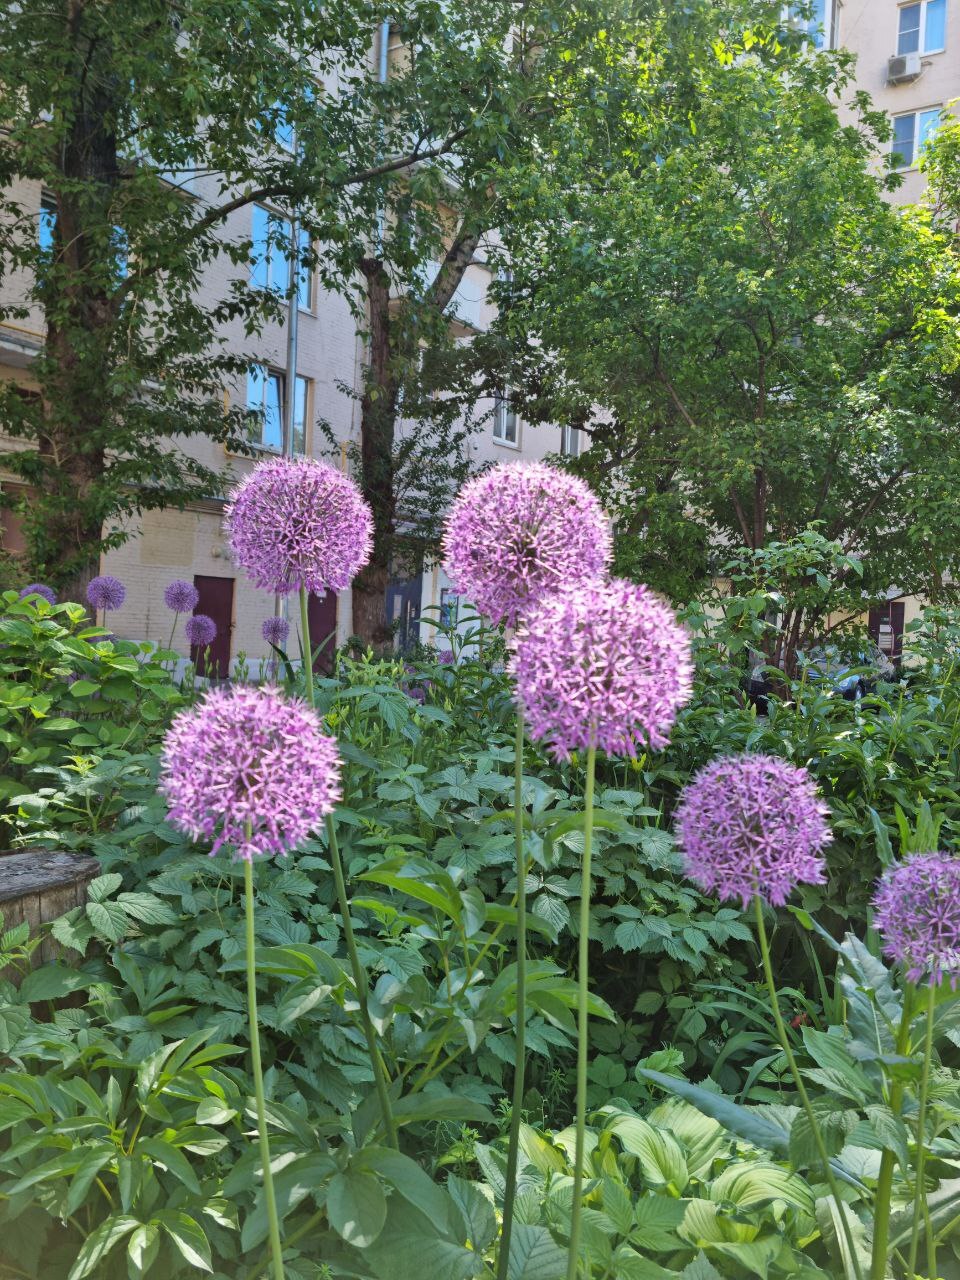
322,616
216,601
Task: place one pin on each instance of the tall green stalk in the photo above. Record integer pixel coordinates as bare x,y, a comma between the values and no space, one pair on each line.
884,1193
583,991
800,1086
513,1149
343,902
919,1194
276,1248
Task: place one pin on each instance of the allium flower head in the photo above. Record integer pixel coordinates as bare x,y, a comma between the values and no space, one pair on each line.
106,592
752,824
917,913
39,589
520,532
275,631
605,665
181,597
299,523
249,757
201,630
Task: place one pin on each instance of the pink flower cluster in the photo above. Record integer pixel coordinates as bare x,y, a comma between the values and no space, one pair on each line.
753,824
917,913
605,665
520,532
299,523
249,768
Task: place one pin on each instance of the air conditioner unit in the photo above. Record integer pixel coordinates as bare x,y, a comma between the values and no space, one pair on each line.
904,68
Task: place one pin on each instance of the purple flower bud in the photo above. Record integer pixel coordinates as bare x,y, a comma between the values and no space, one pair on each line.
522,531
606,665
249,768
275,631
917,913
299,523
752,824
181,596
39,589
106,592
201,630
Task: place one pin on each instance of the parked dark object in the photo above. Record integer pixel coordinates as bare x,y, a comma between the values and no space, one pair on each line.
41,885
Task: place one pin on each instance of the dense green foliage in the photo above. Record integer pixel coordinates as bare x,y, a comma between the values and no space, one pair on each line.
125,1094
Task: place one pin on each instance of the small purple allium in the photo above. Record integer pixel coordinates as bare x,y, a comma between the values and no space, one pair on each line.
106,592
299,523
39,589
181,596
605,665
752,824
445,657
249,768
522,531
275,631
201,630
917,913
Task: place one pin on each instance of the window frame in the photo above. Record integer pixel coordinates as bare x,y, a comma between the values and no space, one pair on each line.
571,441
916,146
503,411
270,373
921,30
277,250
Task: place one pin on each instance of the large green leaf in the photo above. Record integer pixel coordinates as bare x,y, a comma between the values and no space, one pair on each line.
356,1207
535,1255
743,1121
99,1243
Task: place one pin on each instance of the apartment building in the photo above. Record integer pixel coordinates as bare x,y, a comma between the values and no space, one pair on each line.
908,60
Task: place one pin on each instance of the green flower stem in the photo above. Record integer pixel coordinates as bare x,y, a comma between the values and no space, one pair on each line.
798,1081
360,982
583,991
918,1198
513,1149
276,1248
357,969
888,1161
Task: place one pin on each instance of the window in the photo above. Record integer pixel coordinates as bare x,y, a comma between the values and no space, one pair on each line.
265,390
923,27
47,225
911,133
270,259
570,442
506,427
819,26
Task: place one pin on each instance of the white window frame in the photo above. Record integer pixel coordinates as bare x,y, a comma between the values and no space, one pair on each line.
571,442
827,38
265,374
916,145
922,33
275,261
503,414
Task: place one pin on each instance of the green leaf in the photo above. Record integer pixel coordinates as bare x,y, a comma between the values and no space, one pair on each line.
476,1212
102,886
356,1207
172,1159
52,982
100,1242
147,908
535,1255
743,1121
108,919
14,1020
188,1236
407,1178
661,1156
142,1249
416,1107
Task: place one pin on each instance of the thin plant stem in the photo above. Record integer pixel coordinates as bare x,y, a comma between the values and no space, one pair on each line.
276,1248
884,1192
583,991
336,862
360,982
513,1148
921,1143
800,1086
173,629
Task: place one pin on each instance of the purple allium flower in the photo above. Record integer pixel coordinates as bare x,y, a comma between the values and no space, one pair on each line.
181,596
299,523
604,665
275,631
917,913
752,824
522,531
249,757
445,657
106,592
39,589
201,630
